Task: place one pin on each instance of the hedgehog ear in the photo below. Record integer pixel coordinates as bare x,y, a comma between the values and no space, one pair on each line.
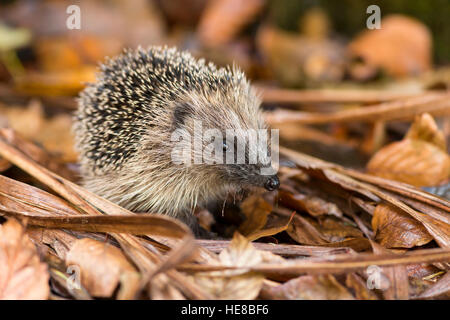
181,113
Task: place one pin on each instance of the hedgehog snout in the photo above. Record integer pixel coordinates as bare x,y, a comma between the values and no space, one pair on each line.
272,183
252,175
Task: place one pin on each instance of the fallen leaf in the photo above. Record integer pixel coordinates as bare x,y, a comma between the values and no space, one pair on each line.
335,229
256,210
420,159
323,287
333,233
397,229
425,128
401,47
421,270
22,275
304,232
234,285
270,230
102,267
314,205
222,19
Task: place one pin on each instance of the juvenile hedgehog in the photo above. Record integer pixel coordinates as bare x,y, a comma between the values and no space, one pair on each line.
125,123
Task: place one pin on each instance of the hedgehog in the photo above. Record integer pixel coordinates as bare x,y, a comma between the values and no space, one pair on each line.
125,124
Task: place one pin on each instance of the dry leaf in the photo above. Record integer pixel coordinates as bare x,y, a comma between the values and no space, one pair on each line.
334,229
314,205
420,159
401,47
397,229
102,267
256,210
304,232
234,285
22,275
277,225
53,133
415,162
323,287
425,128
421,270
222,19
330,233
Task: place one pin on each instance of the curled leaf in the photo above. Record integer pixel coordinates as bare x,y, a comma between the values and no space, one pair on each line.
401,47
396,229
101,267
22,275
420,159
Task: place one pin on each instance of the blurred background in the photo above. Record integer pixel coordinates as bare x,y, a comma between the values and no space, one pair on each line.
311,45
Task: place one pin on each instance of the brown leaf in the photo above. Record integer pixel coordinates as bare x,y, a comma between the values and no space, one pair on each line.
401,47
102,267
314,205
331,234
234,284
425,128
304,232
222,19
421,270
335,229
270,230
420,159
396,229
323,287
256,210
22,275
416,162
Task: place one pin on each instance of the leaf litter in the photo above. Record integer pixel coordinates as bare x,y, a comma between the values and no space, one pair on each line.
311,237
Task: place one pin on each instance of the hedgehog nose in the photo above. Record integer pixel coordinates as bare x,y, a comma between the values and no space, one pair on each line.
272,183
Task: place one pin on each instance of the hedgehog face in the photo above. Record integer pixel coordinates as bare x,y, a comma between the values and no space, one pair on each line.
234,150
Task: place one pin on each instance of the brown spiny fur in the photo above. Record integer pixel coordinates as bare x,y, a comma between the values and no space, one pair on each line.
125,120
